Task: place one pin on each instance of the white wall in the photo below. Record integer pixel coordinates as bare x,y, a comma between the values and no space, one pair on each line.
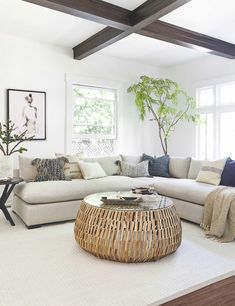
26,64
199,72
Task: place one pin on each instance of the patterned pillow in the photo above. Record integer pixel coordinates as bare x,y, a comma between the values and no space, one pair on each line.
132,170
50,169
211,171
158,166
71,168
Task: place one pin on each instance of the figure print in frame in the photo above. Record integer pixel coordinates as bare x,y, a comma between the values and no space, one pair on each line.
27,110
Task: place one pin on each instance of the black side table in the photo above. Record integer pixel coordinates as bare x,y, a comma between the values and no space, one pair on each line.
9,186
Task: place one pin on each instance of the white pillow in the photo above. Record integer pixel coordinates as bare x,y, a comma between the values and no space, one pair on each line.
211,172
91,170
108,163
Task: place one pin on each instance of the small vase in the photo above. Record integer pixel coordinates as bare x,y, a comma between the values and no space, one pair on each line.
6,166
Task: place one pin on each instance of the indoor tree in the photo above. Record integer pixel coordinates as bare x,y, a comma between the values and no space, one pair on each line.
166,102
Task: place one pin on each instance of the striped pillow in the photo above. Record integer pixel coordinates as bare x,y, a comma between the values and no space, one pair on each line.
211,171
72,169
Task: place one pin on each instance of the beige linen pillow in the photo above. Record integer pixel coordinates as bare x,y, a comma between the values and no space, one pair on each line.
91,170
211,171
27,171
72,169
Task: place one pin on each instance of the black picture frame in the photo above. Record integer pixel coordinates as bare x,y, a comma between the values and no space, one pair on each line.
27,110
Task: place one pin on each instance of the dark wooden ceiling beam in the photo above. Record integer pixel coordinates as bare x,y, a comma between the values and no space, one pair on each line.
93,10
152,10
100,40
143,20
143,15
173,34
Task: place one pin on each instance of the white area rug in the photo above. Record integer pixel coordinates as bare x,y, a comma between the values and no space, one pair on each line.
45,267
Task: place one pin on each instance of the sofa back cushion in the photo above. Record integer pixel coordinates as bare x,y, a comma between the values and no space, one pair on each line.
108,163
131,159
27,171
195,167
179,167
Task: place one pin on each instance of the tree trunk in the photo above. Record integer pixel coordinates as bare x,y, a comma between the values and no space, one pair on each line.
163,140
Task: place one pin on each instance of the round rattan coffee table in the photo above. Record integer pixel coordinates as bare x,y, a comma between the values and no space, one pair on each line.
133,233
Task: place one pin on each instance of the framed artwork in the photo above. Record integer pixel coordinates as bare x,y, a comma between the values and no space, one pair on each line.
27,110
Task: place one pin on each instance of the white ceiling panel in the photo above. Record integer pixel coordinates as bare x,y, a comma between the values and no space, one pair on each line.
212,17
35,22
150,51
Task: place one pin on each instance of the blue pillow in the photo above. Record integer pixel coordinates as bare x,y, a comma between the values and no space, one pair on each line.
158,166
228,174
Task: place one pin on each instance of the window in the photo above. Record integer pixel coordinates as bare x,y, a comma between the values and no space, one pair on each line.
94,120
216,134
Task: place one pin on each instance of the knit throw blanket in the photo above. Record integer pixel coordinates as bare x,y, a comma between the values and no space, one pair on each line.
219,214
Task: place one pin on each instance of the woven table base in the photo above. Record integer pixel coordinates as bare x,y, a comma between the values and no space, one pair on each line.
128,236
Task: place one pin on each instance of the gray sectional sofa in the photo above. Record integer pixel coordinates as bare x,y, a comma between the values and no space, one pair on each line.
38,203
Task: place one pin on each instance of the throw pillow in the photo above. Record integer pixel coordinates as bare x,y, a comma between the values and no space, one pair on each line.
228,175
50,169
132,170
108,163
91,170
27,171
71,168
211,172
158,166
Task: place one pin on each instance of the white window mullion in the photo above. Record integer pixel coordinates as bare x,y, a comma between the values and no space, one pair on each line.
215,123
222,119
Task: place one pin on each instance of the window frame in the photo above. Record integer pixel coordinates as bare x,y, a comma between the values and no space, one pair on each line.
100,136
216,109
73,79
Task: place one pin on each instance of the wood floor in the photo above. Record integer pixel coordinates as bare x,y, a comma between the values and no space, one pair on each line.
221,293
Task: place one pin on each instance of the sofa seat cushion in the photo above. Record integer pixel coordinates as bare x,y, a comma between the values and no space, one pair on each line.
183,189
60,191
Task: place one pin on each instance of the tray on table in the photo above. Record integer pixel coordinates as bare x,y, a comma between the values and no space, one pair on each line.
122,201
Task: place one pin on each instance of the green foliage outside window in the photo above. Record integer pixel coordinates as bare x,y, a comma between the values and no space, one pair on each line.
93,111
